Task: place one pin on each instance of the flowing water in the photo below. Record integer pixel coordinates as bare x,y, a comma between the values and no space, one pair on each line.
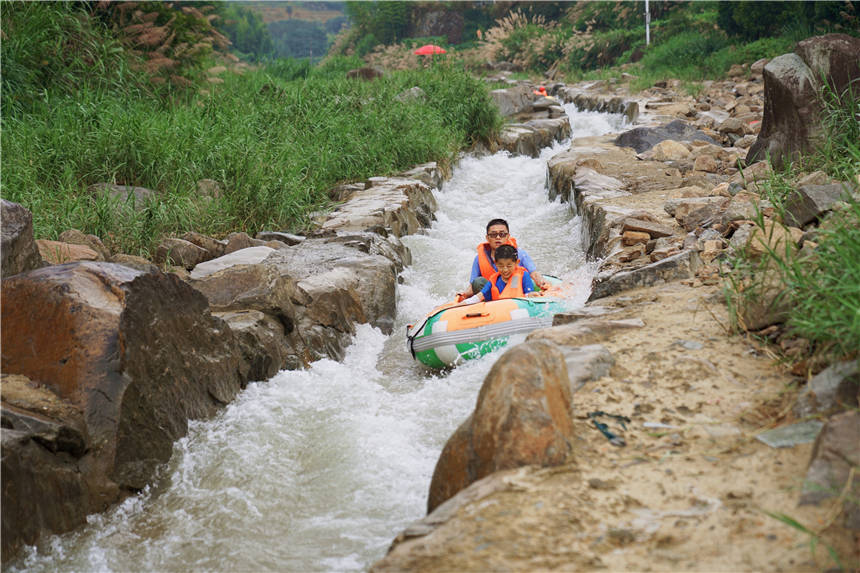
318,470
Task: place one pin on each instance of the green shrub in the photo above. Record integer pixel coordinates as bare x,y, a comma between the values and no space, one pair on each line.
821,287
685,51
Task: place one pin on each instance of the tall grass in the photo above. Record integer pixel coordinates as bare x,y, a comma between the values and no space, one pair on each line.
275,147
820,287
77,110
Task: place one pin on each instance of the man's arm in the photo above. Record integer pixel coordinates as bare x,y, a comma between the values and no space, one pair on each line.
527,262
528,284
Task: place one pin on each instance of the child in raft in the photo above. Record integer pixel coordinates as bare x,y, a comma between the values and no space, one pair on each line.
510,281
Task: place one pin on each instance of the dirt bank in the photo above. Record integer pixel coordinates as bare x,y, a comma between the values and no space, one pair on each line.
693,496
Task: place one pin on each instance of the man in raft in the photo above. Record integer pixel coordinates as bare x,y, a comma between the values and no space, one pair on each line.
511,280
484,266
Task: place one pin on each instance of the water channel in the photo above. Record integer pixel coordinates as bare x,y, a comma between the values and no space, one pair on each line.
318,470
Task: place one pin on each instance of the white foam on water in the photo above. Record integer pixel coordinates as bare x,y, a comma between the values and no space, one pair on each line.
318,470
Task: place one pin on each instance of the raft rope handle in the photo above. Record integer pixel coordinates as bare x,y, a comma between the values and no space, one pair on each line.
476,314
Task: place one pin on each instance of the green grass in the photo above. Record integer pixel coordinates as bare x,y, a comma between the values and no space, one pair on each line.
274,146
821,286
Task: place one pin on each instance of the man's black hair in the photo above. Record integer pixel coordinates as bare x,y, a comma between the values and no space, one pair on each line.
507,252
498,222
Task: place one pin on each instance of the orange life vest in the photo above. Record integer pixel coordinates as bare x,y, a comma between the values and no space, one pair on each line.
484,262
513,289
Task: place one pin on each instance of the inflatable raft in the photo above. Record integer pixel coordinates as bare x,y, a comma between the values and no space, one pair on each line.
450,334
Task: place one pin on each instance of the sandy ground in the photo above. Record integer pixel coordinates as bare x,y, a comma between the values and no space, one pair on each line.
693,497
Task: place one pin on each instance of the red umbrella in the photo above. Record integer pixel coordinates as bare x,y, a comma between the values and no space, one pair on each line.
429,49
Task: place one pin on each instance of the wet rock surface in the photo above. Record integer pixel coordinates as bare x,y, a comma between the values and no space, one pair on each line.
126,358
128,354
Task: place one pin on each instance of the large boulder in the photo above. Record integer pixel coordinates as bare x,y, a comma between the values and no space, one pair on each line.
514,100
791,123
319,289
43,485
522,417
644,138
832,56
341,282
17,248
835,456
136,354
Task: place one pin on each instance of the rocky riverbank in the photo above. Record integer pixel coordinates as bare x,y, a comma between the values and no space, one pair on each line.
90,350
682,446
107,356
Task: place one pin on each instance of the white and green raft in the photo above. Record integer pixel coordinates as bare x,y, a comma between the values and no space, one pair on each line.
450,334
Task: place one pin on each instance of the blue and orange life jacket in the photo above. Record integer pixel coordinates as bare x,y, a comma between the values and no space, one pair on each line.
484,262
514,287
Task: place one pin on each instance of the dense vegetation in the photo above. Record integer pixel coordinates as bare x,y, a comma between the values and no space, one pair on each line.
819,287
276,138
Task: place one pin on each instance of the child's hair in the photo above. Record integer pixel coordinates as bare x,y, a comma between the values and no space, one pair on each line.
506,252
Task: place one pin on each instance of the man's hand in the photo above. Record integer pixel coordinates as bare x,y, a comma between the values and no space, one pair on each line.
538,279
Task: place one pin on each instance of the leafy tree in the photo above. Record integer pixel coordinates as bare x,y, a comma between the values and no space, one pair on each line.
387,21
246,30
298,38
760,19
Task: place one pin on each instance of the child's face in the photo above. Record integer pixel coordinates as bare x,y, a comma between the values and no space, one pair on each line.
506,268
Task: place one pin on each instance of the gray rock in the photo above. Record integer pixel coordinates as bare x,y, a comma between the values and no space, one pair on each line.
17,247
741,237
791,123
134,262
135,197
264,345
835,388
676,267
690,203
808,202
213,246
832,56
413,94
836,452
77,237
791,435
239,241
513,101
430,173
644,138
654,229
180,253
389,206
286,238
586,363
